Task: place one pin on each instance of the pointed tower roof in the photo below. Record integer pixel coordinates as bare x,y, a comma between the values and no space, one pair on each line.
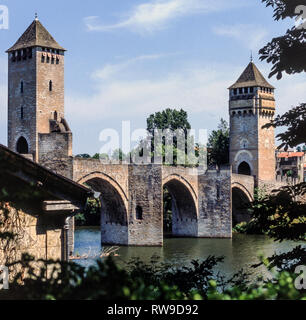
251,77
36,36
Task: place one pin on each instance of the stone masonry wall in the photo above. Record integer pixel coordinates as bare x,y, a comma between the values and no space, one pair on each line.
37,236
215,217
145,191
22,71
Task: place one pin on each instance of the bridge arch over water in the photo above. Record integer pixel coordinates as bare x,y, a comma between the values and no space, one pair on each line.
184,206
114,207
242,196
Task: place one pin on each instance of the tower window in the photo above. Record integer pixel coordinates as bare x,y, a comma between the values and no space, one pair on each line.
21,87
139,215
50,86
21,113
245,90
218,192
251,90
55,115
235,91
240,91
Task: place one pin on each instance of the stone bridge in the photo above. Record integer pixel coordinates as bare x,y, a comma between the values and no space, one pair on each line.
132,200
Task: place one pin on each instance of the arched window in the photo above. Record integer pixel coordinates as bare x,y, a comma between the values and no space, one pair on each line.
139,215
21,87
22,146
244,168
50,85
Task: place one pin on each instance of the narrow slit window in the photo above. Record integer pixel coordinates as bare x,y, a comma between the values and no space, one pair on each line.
50,86
218,192
21,113
139,213
21,87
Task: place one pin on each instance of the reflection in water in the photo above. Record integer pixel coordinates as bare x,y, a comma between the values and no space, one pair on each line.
240,252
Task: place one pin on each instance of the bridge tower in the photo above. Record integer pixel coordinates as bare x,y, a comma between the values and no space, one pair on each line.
36,94
251,106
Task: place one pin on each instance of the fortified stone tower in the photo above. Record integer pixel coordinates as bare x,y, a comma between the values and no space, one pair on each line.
252,105
36,123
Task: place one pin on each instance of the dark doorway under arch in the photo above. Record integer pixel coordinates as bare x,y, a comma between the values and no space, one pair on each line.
244,168
22,146
180,213
240,203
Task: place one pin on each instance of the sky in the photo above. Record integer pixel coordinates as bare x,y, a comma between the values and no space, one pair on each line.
127,59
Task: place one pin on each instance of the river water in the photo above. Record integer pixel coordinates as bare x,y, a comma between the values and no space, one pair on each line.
240,252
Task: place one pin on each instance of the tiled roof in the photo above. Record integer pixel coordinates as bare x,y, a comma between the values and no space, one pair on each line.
251,77
290,154
36,36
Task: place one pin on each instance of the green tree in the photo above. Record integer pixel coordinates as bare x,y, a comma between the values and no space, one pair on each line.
118,154
172,120
102,156
83,156
168,119
218,145
286,53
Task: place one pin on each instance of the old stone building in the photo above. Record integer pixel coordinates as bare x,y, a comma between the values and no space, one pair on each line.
251,106
36,123
35,206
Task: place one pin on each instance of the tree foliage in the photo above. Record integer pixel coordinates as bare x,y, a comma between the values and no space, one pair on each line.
168,119
295,121
218,145
286,53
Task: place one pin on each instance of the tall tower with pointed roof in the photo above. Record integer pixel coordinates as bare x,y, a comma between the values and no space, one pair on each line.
35,91
251,106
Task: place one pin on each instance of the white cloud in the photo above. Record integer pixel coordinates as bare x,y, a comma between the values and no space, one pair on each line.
250,35
110,70
153,16
198,90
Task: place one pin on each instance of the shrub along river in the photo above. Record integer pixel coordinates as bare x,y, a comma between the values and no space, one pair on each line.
241,251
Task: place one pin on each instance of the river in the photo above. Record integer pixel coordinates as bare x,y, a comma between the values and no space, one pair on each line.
240,252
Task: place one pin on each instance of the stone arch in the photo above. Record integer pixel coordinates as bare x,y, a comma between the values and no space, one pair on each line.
22,146
114,207
241,198
184,206
243,154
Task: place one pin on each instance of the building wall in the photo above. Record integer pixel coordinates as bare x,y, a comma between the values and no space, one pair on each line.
266,149
244,141
37,101
40,237
215,216
49,101
24,70
249,142
145,191
55,152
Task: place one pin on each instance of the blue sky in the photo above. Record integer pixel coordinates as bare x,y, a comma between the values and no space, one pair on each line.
129,58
